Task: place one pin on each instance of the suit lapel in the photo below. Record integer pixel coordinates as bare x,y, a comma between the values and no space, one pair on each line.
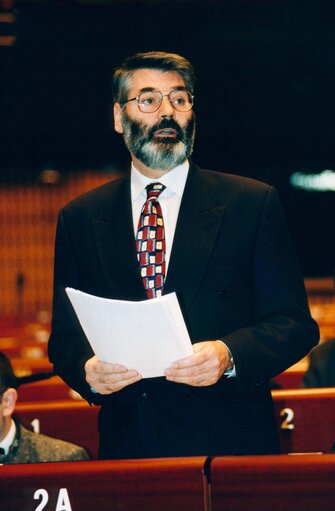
114,236
199,221
200,218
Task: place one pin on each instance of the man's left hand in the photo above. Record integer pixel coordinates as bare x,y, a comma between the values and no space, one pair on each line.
204,367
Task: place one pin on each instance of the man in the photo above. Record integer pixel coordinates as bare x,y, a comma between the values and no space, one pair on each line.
18,444
226,254
321,369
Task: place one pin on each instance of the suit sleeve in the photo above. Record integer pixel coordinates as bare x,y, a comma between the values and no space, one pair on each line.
282,330
68,346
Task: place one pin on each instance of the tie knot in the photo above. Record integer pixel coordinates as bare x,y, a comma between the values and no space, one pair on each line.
154,190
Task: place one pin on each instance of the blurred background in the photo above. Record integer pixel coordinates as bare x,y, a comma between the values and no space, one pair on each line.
265,108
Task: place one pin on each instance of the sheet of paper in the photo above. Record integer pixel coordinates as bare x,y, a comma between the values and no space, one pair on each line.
147,336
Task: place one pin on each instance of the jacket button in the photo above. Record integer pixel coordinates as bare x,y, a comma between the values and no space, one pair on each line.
144,397
223,293
189,394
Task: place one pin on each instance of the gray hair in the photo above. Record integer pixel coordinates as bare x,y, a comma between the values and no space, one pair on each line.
150,60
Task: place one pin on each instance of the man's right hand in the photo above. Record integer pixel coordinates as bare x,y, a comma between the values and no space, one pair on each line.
107,378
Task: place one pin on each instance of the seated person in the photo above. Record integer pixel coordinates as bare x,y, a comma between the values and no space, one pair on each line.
18,444
321,370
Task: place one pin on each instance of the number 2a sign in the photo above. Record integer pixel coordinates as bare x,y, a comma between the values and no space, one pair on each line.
63,501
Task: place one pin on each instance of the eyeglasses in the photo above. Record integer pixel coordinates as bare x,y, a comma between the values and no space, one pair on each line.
150,101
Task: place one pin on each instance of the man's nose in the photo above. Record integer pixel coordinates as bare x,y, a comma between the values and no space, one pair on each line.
166,109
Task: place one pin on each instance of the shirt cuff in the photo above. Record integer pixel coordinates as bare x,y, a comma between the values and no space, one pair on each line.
230,372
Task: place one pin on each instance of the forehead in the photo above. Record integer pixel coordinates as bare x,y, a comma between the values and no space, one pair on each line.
160,80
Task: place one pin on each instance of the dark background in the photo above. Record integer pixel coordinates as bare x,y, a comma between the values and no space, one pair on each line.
265,96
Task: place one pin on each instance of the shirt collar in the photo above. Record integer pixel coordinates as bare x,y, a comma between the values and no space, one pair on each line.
9,438
174,180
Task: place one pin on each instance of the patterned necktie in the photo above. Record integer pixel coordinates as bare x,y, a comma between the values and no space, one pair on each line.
150,242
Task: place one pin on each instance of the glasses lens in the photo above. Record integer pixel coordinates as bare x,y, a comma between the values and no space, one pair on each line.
149,101
181,100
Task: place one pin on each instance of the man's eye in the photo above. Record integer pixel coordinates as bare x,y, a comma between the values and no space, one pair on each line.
147,101
179,101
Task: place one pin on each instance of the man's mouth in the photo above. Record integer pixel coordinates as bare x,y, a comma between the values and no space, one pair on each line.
166,132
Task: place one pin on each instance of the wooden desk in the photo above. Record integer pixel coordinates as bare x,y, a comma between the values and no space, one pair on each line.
74,421
244,483
136,485
52,389
273,483
306,419
27,366
310,429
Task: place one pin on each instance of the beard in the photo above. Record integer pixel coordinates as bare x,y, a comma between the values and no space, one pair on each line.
163,153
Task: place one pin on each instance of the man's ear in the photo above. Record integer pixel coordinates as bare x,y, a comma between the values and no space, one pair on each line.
117,110
8,401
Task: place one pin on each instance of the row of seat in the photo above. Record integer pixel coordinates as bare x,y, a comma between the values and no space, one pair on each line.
55,389
306,420
289,379
247,483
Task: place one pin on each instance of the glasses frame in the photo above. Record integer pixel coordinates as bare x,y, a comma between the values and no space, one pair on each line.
161,100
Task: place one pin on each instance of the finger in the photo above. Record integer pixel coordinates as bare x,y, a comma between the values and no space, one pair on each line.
115,385
193,372
97,369
195,381
193,360
200,363
113,378
107,368
203,351
120,384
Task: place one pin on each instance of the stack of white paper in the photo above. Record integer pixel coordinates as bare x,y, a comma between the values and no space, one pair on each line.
147,336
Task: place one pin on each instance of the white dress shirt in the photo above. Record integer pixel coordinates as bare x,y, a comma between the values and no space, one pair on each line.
9,438
169,199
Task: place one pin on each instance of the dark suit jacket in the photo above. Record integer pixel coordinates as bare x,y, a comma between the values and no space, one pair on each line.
237,279
321,370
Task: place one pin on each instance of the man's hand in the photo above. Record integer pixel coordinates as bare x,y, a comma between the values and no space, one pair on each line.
204,367
107,378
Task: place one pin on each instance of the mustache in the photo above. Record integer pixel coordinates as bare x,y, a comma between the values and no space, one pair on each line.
167,123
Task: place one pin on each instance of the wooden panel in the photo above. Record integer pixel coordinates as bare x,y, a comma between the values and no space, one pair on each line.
313,419
245,483
27,366
135,485
292,377
273,483
289,379
28,215
53,389
69,420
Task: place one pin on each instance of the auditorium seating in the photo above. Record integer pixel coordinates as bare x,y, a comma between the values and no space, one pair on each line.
52,389
244,483
75,421
306,420
273,483
292,377
136,485
55,389
25,366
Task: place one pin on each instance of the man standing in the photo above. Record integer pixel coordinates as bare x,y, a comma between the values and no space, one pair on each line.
220,242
